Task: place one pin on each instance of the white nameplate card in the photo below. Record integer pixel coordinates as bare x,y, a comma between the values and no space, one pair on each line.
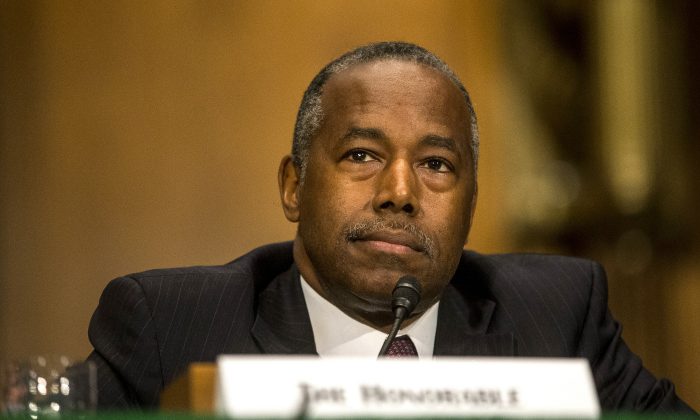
304,386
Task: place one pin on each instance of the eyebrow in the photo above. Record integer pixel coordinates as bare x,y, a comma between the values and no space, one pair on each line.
364,133
442,142
432,140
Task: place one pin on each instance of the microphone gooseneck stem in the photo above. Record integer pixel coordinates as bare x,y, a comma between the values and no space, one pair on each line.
398,320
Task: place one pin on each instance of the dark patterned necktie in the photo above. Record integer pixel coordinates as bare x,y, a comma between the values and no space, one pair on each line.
402,347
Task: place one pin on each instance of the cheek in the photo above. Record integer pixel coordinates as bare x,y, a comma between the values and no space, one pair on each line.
328,204
341,194
453,218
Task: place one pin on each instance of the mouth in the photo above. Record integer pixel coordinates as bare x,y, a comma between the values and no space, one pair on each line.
390,242
381,237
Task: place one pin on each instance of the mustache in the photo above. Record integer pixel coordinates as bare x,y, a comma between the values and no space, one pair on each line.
360,230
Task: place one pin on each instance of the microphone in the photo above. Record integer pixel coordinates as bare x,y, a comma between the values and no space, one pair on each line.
404,300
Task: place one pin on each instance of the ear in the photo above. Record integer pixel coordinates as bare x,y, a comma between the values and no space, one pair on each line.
288,180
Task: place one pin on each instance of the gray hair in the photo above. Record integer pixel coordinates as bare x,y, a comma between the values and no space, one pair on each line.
310,113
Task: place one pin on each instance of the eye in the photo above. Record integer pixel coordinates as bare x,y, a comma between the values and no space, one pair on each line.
359,156
437,165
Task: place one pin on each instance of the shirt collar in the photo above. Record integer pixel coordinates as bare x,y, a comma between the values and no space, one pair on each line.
337,334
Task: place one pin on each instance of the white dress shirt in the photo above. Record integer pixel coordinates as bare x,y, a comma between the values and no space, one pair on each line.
337,334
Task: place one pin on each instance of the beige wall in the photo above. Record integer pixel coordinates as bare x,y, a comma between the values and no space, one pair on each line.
138,134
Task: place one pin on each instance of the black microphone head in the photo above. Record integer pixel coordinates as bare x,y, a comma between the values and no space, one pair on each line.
406,295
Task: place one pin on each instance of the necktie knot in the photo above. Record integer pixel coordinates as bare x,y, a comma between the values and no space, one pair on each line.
402,347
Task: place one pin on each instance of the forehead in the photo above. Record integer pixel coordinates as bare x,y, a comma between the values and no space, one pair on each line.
397,89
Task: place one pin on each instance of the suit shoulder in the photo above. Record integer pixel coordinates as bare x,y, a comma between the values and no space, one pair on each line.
535,278
251,269
189,273
526,265
544,300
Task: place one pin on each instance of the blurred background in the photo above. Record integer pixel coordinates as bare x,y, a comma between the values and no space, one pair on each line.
137,135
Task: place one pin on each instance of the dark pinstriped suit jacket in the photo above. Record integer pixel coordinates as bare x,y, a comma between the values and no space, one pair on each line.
150,326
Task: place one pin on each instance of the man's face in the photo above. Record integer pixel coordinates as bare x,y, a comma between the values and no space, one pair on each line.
389,187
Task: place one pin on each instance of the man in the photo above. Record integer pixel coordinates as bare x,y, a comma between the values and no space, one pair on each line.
382,183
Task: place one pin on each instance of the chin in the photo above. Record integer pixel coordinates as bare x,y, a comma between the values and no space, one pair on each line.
375,295
371,295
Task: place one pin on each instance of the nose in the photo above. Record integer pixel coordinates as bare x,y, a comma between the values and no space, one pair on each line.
397,189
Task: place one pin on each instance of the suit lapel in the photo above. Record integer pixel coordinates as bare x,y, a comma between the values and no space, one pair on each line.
282,324
463,321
